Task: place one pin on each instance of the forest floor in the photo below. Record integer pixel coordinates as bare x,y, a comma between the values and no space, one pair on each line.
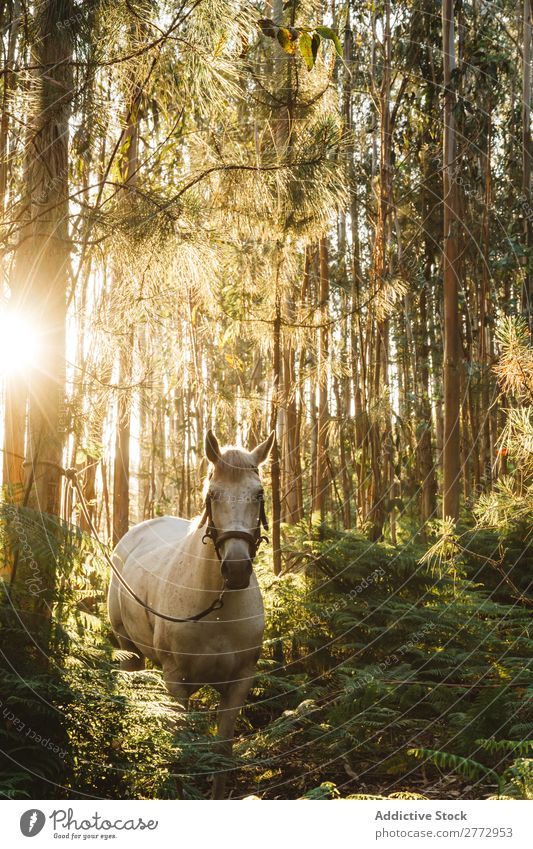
419,686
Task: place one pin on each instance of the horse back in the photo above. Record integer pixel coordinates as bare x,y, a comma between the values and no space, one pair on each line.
149,535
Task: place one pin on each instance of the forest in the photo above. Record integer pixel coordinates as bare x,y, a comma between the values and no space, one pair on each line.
311,217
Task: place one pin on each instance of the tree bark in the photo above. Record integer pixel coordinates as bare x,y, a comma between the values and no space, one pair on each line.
9,84
427,468
121,467
322,473
48,245
292,470
41,275
527,293
451,447
484,316
275,476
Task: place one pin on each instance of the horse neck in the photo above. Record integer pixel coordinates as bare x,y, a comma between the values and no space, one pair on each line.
203,562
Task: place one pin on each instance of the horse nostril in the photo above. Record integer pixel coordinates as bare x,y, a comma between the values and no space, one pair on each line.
236,573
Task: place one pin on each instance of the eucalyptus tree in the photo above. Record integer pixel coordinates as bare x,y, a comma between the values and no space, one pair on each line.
527,293
451,448
39,286
302,136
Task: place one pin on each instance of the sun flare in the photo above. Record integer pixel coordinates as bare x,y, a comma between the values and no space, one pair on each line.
18,344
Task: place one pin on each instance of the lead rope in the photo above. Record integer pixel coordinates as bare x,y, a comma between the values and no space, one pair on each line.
72,477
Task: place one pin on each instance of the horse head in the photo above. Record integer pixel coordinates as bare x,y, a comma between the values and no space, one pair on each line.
234,507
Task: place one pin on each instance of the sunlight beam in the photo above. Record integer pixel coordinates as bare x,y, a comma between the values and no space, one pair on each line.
18,344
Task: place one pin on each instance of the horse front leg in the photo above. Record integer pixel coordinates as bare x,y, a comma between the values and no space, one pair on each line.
177,688
232,699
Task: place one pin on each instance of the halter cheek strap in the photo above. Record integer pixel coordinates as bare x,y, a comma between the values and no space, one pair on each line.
217,538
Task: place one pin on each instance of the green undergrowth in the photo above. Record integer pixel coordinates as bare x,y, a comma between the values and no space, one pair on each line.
373,657
381,675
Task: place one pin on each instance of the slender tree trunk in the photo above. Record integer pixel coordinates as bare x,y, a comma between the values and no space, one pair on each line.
291,448
199,403
275,459
180,452
343,392
15,425
527,293
452,365
484,316
121,468
340,397
105,495
188,452
427,469
380,437
301,405
9,84
322,473
41,278
257,388
357,348
145,437
46,284
428,338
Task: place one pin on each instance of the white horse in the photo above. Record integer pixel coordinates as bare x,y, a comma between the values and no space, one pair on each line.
179,568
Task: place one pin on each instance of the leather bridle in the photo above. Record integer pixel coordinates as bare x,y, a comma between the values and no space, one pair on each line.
217,537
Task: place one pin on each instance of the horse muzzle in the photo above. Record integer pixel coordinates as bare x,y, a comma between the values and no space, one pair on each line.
236,573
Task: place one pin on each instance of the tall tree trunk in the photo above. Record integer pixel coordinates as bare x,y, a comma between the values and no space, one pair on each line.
427,469
292,470
9,83
14,430
343,391
357,349
46,284
484,315
42,270
121,468
322,473
381,442
527,292
145,436
451,448
255,434
275,476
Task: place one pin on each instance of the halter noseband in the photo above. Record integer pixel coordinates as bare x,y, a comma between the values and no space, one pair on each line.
217,538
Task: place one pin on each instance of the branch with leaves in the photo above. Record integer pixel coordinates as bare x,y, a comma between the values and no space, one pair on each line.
305,39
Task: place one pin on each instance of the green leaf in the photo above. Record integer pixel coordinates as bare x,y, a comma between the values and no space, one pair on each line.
445,760
286,40
306,49
331,35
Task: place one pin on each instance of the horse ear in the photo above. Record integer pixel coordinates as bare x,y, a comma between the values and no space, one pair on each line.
212,448
261,451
